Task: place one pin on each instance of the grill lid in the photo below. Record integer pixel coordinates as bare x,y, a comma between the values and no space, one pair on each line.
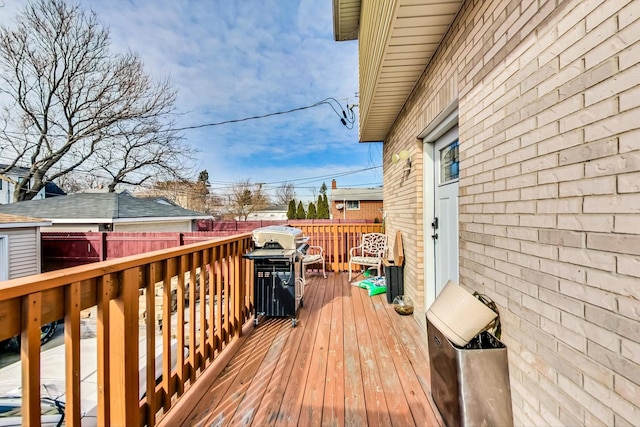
278,236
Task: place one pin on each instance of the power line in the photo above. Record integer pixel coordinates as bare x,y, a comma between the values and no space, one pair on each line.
346,119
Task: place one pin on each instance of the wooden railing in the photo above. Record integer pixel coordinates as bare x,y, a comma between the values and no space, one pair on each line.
195,300
212,276
336,240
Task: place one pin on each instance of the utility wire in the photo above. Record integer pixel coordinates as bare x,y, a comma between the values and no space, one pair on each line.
346,119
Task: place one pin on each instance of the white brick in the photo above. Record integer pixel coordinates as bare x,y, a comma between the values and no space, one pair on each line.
562,302
567,336
611,282
590,222
625,203
587,152
611,399
559,206
565,173
629,265
601,411
547,191
588,187
563,270
629,183
588,294
588,258
619,123
627,224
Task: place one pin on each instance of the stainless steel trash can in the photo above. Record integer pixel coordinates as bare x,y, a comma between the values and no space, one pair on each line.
470,386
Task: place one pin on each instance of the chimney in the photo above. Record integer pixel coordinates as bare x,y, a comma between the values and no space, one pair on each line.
334,184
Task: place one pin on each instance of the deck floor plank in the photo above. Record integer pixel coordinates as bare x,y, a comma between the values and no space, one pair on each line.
294,394
269,412
355,408
374,396
399,409
313,399
333,413
352,360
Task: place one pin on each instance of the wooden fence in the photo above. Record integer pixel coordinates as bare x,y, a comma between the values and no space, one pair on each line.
69,249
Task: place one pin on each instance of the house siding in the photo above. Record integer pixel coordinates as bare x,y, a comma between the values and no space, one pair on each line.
548,104
154,226
24,251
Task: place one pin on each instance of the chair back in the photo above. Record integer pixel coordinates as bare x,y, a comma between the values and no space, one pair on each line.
374,244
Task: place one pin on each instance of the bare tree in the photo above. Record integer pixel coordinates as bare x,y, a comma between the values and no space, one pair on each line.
247,198
69,101
285,193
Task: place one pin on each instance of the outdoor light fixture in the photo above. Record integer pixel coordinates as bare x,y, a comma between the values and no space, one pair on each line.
403,155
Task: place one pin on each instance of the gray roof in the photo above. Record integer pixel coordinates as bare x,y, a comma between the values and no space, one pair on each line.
18,170
354,194
99,206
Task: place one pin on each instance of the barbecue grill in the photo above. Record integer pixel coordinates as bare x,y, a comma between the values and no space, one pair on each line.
278,283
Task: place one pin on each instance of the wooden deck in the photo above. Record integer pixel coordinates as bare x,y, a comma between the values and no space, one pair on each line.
352,360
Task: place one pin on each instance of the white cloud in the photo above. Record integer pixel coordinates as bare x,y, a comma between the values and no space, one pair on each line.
234,59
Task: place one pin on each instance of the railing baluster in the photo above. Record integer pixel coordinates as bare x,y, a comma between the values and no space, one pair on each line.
72,354
30,356
211,341
204,260
184,264
167,305
219,286
105,291
150,302
193,261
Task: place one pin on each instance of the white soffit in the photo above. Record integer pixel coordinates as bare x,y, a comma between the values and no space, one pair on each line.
346,19
415,32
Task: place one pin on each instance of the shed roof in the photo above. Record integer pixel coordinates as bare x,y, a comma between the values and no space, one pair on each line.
17,221
99,207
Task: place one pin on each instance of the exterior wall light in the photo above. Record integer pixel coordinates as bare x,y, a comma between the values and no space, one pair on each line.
403,155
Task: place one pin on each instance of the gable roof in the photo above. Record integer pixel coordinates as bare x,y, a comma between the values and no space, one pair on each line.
15,221
17,170
339,194
99,207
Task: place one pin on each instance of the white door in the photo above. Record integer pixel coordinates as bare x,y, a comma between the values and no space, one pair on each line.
444,225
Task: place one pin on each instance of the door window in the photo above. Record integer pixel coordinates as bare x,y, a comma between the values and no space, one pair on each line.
449,163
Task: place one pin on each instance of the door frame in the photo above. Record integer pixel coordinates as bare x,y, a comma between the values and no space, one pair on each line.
446,120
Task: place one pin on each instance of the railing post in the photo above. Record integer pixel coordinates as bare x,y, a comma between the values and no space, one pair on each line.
124,355
72,354
335,267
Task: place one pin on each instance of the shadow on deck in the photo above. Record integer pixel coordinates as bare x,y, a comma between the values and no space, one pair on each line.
352,360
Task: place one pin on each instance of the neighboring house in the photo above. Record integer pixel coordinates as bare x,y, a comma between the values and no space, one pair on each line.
519,124
7,188
274,213
107,212
19,246
356,203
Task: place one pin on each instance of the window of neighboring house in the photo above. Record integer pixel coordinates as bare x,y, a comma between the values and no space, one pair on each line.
353,205
4,258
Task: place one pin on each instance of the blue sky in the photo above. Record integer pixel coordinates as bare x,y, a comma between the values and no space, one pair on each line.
230,59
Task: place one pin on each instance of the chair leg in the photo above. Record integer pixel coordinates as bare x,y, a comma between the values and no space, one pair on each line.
324,274
349,271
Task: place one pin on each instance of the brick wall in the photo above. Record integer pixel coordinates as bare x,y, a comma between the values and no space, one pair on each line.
369,210
549,105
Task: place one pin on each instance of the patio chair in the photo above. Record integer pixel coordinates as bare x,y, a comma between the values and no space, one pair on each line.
370,252
315,255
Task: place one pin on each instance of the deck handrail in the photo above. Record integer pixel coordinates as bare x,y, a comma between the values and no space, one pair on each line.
213,272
